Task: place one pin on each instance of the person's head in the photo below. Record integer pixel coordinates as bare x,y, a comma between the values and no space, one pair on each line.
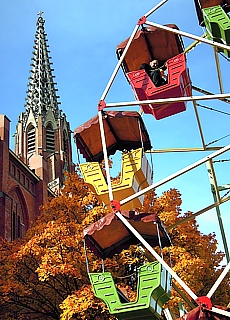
154,64
145,66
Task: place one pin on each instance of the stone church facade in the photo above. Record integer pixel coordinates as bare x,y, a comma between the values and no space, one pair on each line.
43,152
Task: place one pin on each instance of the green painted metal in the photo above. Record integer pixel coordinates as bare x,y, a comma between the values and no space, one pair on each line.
153,291
217,23
211,176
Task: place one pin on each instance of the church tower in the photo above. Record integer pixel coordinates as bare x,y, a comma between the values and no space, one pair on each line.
43,150
43,135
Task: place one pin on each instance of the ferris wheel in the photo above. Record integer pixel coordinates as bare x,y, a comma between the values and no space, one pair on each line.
110,131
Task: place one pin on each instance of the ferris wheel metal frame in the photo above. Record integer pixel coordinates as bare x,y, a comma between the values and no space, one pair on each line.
208,160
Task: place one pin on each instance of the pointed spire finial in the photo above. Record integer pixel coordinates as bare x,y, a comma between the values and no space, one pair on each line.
40,13
42,94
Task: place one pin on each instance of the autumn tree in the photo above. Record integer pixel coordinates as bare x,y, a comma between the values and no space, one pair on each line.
44,276
194,255
48,266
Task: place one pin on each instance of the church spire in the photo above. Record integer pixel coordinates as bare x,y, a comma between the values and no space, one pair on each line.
43,135
41,93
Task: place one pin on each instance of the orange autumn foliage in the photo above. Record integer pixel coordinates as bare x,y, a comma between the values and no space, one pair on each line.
194,255
45,274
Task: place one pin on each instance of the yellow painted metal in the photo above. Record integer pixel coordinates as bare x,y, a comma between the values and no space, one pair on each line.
136,175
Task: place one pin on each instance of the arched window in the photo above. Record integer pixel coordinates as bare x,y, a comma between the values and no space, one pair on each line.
16,226
66,151
31,139
50,145
65,141
19,216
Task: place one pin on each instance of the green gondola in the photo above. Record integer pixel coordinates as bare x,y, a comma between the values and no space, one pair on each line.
217,24
153,291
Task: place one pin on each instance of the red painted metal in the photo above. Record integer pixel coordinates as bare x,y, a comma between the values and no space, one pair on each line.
142,20
101,105
115,205
204,302
178,85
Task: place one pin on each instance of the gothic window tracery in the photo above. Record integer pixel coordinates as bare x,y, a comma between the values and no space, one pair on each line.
50,143
65,141
66,154
31,138
16,226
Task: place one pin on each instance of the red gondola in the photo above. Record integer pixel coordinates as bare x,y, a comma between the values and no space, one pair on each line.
152,43
178,86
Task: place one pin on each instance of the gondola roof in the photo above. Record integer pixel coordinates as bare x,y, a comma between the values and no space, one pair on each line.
109,236
201,312
124,130
149,44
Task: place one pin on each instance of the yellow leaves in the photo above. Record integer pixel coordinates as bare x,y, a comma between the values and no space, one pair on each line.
132,256
93,215
51,261
127,291
57,249
56,262
82,303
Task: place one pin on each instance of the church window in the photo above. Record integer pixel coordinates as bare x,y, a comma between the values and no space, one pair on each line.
50,144
16,226
65,142
31,138
66,154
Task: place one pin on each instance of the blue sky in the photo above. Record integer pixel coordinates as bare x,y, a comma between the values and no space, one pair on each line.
83,36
